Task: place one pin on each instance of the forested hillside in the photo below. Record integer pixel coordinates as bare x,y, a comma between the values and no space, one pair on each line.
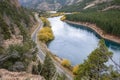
108,21
13,16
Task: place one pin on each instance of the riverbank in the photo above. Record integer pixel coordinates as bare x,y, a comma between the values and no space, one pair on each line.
42,49
97,30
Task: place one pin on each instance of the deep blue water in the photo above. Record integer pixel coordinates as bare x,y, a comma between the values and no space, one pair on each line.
75,42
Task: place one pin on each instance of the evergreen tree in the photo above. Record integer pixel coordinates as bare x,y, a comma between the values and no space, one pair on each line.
61,77
108,21
48,69
94,67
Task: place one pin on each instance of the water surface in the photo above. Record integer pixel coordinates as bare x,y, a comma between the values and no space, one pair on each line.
75,42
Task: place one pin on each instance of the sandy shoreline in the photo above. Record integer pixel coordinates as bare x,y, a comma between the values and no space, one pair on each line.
98,31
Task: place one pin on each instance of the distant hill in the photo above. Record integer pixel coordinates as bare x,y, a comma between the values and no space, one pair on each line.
91,5
47,4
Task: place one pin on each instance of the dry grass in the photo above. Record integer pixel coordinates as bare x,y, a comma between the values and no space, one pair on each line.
7,75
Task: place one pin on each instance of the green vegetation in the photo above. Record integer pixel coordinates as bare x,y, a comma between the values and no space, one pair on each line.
36,68
45,22
16,21
2,51
94,67
117,2
4,29
48,70
61,77
11,16
108,21
18,55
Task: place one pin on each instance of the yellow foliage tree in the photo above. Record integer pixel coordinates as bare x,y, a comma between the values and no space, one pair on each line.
75,69
45,21
66,63
45,34
63,18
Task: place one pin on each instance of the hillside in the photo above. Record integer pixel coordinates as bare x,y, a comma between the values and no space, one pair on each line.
15,43
108,21
47,4
91,5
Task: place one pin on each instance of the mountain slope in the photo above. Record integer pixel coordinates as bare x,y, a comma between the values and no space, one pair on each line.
11,17
17,51
47,4
91,5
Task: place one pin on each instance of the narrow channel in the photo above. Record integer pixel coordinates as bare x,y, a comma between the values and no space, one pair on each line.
75,42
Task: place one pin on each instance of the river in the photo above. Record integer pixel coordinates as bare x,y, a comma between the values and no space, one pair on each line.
75,42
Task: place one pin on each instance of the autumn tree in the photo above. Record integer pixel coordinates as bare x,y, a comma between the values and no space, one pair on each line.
45,34
75,69
66,63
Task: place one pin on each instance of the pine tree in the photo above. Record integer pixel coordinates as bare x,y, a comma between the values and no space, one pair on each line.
48,69
94,66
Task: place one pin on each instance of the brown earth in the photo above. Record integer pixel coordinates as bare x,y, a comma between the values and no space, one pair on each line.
7,75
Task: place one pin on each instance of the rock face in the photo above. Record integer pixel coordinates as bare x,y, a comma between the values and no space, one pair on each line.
7,75
47,4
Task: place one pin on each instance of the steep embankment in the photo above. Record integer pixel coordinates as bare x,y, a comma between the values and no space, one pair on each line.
15,22
17,51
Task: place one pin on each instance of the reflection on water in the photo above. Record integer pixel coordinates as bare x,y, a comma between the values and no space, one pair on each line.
76,42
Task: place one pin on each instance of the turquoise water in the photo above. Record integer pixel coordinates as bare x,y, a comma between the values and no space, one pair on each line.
75,42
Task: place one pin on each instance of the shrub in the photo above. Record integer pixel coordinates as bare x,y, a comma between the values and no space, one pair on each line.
66,63
45,21
45,35
75,69
63,18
